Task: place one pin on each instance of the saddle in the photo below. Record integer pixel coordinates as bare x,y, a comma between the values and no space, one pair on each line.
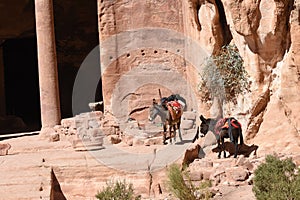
175,109
223,123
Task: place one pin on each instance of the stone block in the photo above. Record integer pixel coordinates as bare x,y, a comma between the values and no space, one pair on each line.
207,173
81,123
153,141
57,128
81,132
94,123
128,139
203,163
218,176
137,141
190,131
96,114
96,132
63,137
209,139
109,130
224,163
4,149
86,145
54,137
187,124
68,123
241,160
196,176
114,139
97,140
73,131
237,174
248,166
218,172
189,116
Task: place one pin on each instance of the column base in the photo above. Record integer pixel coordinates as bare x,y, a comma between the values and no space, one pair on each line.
48,133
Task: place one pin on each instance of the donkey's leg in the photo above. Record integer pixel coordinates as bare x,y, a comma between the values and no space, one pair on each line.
179,131
223,146
220,147
236,149
170,133
174,131
197,135
164,134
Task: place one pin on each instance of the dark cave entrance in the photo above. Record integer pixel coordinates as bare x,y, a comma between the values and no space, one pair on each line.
22,83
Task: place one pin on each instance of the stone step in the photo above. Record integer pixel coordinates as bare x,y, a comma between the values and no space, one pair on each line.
30,182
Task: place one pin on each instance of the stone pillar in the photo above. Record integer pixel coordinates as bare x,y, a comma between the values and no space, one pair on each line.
2,86
48,79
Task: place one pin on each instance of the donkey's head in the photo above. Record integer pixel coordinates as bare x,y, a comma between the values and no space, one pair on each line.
153,110
204,126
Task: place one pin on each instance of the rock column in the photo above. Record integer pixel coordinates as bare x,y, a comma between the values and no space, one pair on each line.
48,79
2,86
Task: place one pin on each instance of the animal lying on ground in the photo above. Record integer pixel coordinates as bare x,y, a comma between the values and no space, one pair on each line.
244,149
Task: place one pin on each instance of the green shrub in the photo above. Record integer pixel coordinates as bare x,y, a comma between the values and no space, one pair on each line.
182,187
223,76
203,190
277,179
117,191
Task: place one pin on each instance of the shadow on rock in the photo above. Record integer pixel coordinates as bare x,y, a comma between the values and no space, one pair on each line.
243,149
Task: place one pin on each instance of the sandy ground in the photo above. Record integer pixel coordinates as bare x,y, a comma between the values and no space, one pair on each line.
30,151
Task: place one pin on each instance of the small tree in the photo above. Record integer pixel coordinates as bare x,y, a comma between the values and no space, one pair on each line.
117,190
181,185
277,179
223,77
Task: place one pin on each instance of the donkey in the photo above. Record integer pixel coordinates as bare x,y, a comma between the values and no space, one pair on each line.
166,119
223,128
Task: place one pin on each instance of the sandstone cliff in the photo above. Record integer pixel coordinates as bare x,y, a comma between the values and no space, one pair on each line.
265,33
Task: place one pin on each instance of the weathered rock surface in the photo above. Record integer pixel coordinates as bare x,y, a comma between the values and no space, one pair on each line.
4,147
265,33
135,66
27,172
84,131
229,174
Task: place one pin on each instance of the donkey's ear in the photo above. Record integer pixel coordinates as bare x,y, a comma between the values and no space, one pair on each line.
202,118
154,101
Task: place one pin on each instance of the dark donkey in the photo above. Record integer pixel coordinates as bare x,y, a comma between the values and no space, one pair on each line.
223,128
166,119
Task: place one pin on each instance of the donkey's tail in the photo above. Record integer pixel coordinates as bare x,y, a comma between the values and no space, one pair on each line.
241,135
196,136
237,125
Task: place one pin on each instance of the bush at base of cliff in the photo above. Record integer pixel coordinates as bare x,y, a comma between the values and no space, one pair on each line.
117,190
182,187
277,179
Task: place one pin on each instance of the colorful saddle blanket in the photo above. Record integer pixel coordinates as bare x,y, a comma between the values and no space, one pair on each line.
223,123
175,109
175,105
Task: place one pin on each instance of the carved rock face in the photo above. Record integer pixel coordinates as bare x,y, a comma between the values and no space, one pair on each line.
264,31
17,19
